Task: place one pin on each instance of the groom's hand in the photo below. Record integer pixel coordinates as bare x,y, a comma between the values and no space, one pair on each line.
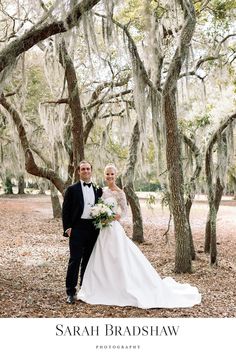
68,231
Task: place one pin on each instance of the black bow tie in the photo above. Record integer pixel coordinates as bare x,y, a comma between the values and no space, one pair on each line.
87,184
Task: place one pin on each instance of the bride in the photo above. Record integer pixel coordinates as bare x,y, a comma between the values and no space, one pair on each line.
119,274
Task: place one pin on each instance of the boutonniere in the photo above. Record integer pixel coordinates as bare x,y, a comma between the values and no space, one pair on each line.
96,186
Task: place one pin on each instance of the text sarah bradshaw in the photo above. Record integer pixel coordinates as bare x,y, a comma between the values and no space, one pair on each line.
112,330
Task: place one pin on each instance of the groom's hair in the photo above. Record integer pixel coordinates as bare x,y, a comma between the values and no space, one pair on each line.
82,162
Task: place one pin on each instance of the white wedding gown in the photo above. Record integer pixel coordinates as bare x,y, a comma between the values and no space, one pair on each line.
119,274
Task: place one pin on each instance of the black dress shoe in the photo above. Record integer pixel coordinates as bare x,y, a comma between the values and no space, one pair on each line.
70,299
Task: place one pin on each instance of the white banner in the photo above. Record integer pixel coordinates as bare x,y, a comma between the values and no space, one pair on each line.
116,335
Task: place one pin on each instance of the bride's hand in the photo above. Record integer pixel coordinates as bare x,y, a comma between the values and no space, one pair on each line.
117,217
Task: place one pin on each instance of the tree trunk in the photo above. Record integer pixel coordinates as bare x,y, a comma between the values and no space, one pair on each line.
214,198
75,107
214,203
42,188
210,230
21,185
136,213
128,178
213,247
188,205
8,186
56,205
218,195
232,176
207,234
192,188
176,181
211,227
173,149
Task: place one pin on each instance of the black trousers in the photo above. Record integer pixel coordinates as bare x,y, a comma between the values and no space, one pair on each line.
81,242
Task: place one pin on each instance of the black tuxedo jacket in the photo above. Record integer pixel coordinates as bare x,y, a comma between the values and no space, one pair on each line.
73,205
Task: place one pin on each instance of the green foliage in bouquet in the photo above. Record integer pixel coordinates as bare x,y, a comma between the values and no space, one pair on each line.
102,214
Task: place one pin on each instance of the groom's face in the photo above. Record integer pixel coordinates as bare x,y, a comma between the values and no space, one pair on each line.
85,172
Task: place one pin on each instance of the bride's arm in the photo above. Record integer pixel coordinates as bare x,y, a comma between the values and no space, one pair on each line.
122,202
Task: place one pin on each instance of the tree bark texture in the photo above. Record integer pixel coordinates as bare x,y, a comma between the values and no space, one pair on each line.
192,188
188,205
21,185
219,189
176,182
173,149
212,209
128,178
214,196
8,186
75,106
56,206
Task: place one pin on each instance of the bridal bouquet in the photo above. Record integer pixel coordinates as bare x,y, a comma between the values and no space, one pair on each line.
102,214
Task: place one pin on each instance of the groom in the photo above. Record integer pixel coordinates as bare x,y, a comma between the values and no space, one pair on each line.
78,226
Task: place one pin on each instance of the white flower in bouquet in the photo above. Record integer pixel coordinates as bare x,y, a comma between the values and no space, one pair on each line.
102,214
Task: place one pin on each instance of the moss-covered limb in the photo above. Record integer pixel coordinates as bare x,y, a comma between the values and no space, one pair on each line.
74,104
30,164
186,35
136,60
38,33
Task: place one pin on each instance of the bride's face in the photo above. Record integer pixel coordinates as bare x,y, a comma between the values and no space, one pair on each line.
110,175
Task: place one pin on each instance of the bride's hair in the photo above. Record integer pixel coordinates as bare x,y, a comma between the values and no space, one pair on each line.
111,165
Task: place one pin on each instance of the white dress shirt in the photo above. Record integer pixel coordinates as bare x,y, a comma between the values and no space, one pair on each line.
89,200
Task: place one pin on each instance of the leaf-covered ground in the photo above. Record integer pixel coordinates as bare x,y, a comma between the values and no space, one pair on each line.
34,258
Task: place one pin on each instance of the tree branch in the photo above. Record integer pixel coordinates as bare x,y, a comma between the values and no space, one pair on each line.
134,51
208,158
113,95
192,73
35,35
118,114
219,131
208,58
60,101
96,94
181,50
74,103
30,164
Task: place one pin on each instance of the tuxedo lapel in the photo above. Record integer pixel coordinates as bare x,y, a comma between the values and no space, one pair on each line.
80,195
79,192
95,193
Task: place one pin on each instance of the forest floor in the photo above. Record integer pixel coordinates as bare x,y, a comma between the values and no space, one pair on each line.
34,257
